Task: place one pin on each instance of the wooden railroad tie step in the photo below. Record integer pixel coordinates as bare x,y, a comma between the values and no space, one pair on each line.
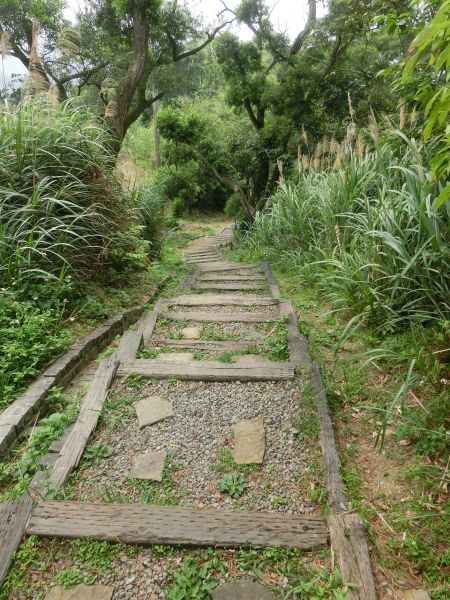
224,300
203,370
228,266
208,277
147,524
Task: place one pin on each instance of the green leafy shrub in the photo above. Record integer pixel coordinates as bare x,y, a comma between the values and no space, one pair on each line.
61,204
233,484
31,333
193,581
152,218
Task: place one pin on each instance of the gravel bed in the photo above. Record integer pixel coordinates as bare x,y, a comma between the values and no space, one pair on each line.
211,353
233,330
146,573
204,415
264,292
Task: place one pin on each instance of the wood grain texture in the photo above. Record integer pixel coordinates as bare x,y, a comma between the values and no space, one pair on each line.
348,540
212,299
129,344
91,407
208,370
14,517
149,318
335,485
237,317
226,266
298,344
147,524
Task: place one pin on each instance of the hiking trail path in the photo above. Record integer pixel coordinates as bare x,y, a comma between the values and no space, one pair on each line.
206,391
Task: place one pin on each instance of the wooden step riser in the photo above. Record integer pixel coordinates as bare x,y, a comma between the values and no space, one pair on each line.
147,525
222,299
201,370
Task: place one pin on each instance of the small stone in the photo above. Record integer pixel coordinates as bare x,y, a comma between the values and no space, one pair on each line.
81,592
152,410
242,590
249,442
404,443
191,333
148,466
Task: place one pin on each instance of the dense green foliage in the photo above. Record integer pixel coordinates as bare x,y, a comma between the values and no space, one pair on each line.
65,219
367,234
62,207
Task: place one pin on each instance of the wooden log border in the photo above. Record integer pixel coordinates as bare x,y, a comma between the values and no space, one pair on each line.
31,405
347,534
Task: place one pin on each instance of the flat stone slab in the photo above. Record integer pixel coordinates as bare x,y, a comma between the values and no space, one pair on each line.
175,357
416,595
249,442
242,590
148,466
152,410
81,592
191,333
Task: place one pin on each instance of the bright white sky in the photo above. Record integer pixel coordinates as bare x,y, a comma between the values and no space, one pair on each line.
287,16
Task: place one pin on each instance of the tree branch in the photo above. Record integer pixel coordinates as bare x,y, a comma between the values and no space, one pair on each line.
209,39
310,22
85,74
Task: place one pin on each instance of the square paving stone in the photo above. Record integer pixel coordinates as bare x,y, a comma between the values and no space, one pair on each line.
191,333
81,592
249,442
152,410
242,590
148,466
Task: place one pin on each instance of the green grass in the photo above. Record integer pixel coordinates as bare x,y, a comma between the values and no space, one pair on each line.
26,459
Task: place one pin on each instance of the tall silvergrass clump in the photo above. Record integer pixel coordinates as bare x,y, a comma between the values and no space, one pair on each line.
61,207
368,235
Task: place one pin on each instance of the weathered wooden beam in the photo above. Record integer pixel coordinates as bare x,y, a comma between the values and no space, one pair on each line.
298,344
227,266
147,524
75,444
208,370
14,517
148,320
129,344
348,540
335,485
219,299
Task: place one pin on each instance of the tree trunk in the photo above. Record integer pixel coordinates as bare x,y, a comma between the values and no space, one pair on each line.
118,114
157,137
